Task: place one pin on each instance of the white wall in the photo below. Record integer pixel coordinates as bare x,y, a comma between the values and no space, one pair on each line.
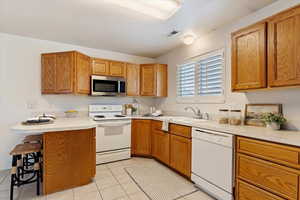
290,98
20,84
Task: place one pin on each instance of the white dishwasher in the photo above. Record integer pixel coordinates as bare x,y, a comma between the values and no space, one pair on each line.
212,162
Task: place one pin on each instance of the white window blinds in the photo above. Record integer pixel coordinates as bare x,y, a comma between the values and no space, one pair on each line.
210,75
202,78
186,80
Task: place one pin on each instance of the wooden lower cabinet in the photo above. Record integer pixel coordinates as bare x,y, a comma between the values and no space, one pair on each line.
69,159
263,174
161,146
148,139
245,191
141,137
180,154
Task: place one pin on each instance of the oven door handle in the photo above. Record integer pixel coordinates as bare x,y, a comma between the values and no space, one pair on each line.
113,124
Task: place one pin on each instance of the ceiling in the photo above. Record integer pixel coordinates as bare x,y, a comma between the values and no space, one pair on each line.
95,24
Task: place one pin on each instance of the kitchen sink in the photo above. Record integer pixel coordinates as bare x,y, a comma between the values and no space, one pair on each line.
187,120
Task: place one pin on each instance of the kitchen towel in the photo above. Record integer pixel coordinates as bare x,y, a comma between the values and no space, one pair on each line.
165,125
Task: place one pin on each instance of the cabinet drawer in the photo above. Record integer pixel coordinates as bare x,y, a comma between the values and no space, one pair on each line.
271,177
156,125
274,152
180,130
249,192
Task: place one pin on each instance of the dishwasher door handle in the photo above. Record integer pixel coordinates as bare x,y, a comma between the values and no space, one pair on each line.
211,133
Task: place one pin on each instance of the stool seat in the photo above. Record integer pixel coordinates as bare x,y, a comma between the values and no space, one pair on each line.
33,138
26,148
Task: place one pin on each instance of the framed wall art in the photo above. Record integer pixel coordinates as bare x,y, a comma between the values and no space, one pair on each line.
254,113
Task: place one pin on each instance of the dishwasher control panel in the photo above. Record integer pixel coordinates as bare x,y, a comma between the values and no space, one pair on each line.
213,136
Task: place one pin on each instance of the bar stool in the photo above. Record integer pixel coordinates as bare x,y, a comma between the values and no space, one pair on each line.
18,171
28,159
33,139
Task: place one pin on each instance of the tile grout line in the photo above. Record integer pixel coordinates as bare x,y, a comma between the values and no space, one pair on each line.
182,196
98,186
119,181
137,183
185,195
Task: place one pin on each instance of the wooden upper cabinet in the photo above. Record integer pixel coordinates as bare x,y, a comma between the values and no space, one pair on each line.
48,72
104,67
148,80
117,69
249,62
65,73
83,73
153,80
161,80
284,49
100,67
132,79
141,137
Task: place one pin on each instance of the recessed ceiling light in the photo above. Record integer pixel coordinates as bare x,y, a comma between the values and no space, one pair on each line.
189,39
162,9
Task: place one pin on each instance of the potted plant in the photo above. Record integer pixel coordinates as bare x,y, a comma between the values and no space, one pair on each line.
273,120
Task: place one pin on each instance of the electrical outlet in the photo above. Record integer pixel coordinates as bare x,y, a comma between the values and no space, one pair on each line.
31,104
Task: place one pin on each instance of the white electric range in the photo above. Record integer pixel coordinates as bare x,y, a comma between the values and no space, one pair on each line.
113,133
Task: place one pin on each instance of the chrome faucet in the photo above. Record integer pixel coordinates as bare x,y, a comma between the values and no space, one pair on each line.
197,112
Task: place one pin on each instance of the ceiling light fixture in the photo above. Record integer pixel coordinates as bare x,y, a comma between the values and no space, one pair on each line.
189,39
162,9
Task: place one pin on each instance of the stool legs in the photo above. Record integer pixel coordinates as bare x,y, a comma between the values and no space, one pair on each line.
36,168
13,176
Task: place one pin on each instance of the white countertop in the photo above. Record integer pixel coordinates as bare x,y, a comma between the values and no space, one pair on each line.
63,124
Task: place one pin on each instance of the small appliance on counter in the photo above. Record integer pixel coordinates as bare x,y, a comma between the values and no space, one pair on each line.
71,113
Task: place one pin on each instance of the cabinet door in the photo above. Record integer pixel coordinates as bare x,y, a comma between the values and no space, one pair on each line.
69,159
161,146
117,69
133,79
246,191
148,80
48,73
141,137
249,64
83,73
162,80
274,178
284,49
100,67
180,154
64,72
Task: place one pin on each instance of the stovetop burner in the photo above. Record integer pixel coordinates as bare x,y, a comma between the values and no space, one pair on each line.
99,116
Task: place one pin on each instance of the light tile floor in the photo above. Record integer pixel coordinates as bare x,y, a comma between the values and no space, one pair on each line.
112,182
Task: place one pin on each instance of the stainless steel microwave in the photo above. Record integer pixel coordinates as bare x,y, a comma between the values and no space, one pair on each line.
108,86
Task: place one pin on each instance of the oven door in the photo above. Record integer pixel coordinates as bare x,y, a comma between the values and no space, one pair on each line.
113,135
107,86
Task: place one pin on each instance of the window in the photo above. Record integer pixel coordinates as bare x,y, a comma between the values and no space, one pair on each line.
202,79
186,80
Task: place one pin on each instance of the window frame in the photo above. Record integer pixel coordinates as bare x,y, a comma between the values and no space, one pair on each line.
197,99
